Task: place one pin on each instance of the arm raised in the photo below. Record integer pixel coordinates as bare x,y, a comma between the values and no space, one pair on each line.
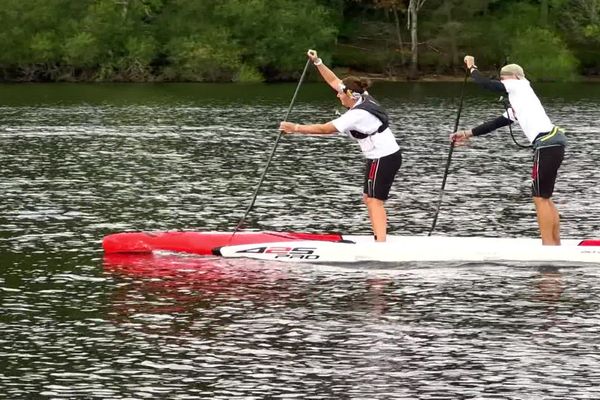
327,74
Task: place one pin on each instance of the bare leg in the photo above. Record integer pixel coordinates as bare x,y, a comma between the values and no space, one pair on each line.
556,224
366,201
548,221
378,218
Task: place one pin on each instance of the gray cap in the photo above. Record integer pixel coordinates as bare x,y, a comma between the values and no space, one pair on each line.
513,69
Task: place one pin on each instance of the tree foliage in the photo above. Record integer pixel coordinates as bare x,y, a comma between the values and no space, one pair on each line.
249,40
532,48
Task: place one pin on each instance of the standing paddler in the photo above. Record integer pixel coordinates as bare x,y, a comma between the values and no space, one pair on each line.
368,124
548,141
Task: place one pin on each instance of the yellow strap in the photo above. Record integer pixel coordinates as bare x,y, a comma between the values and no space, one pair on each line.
551,134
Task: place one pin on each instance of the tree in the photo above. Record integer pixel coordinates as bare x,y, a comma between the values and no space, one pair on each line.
412,23
582,18
396,7
274,35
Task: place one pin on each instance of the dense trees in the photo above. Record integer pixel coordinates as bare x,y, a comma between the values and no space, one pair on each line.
246,40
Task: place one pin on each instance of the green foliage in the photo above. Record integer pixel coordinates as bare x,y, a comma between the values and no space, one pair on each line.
360,59
371,46
381,61
209,57
255,40
544,55
81,51
44,48
579,23
139,53
276,33
581,19
498,31
248,74
33,30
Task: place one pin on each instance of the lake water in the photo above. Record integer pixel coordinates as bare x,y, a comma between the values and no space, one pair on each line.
81,161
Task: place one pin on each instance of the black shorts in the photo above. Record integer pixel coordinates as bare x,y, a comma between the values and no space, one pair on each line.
380,174
546,161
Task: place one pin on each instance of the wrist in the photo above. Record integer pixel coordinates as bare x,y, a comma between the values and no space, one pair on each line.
318,62
296,128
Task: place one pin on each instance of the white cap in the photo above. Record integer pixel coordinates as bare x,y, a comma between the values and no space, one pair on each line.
513,69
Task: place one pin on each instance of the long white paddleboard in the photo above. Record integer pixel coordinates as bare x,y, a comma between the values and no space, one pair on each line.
416,248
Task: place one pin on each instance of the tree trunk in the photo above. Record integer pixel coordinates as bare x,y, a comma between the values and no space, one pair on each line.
453,41
413,13
399,35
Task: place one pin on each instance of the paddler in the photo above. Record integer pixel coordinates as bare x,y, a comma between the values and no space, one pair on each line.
367,123
547,140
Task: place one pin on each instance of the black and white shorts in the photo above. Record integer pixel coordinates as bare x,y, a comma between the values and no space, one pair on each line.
546,161
380,174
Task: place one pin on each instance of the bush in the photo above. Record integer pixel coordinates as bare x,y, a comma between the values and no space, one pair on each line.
81,50
247,73
209,57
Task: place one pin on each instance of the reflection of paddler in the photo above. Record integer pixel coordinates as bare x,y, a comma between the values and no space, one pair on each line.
550,285
548,141
367,123
376,296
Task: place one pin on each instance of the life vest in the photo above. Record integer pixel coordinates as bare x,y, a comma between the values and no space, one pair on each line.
371,106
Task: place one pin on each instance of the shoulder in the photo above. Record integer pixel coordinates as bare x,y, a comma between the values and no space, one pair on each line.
351,119
357,113
516,84
367,98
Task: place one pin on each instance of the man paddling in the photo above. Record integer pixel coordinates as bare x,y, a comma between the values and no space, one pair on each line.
548,141
367,123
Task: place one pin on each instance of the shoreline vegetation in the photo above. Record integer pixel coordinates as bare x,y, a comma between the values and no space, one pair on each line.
266,40
373,77
459,77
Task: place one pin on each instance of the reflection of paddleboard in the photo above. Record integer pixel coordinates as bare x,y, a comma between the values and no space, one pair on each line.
171,283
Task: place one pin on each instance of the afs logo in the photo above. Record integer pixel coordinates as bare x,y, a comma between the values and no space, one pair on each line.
300,253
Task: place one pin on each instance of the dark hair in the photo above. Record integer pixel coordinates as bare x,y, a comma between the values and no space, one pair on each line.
356,84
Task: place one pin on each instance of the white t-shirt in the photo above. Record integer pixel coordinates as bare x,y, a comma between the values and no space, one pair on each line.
527,109
375,146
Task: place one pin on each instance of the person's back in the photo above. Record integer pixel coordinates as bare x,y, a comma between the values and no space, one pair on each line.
547,140
527,108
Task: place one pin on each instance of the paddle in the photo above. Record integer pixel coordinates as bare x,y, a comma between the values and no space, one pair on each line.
262,177
462,96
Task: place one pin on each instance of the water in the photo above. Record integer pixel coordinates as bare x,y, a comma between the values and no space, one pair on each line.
78,162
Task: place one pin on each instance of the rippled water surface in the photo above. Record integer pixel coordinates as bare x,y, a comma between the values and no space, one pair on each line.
78,162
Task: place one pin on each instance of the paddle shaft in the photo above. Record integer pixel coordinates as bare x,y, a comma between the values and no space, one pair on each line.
262,177
460,106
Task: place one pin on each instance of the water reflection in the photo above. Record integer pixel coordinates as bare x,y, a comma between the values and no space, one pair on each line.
550,284
181,284
367,331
